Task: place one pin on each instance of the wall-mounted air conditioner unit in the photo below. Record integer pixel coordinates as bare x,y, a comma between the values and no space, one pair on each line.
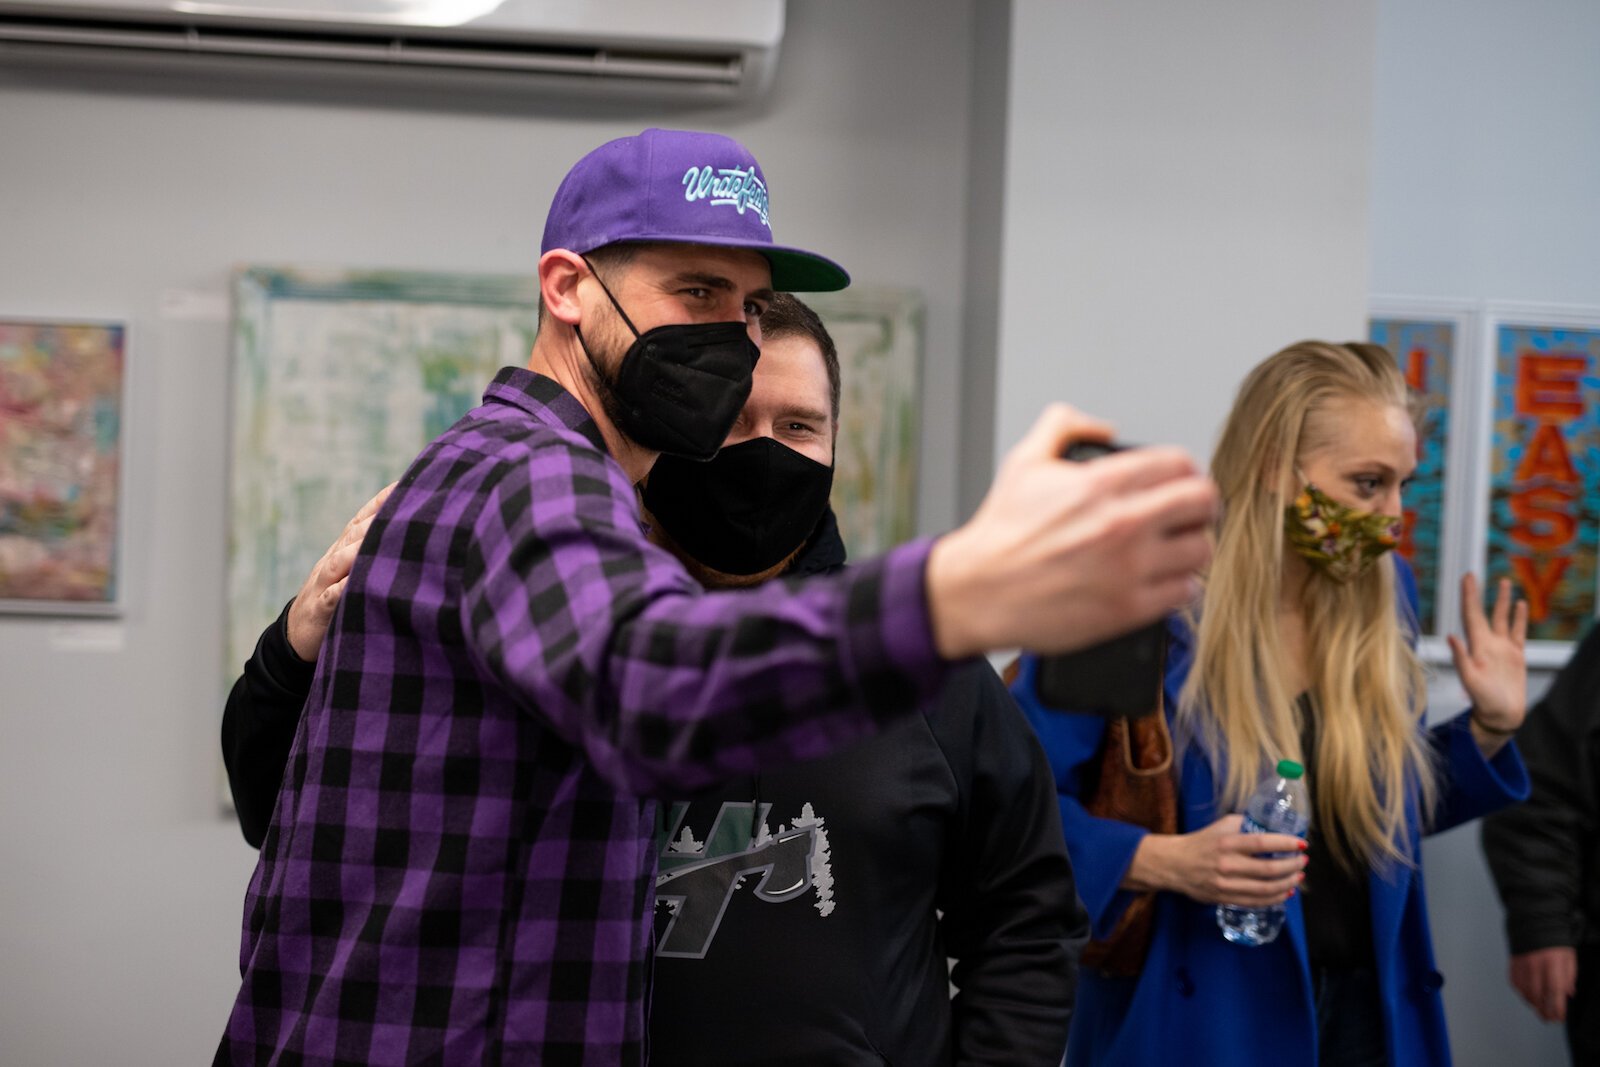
715,49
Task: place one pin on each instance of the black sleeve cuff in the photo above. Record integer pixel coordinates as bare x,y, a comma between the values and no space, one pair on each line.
277,657
1529,933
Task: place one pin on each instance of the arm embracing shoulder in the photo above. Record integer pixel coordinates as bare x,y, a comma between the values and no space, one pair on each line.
259,724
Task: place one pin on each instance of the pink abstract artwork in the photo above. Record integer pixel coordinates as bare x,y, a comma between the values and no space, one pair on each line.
61,388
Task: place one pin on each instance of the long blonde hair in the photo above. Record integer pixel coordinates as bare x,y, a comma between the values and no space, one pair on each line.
1365,683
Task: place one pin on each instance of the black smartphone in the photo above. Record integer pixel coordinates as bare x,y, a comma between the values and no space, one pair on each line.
1119,678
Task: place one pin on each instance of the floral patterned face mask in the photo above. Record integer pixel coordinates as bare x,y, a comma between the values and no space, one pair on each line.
1338,540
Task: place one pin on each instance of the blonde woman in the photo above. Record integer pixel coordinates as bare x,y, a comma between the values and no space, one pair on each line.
1300,649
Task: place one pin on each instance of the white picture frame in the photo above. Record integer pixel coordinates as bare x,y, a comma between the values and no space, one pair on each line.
1500,316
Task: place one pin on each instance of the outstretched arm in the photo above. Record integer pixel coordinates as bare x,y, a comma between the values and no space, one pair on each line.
611,644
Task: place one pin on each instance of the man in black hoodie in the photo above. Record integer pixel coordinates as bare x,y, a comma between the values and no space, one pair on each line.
1545,856
804,915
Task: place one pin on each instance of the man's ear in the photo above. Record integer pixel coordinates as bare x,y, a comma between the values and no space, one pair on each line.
560,271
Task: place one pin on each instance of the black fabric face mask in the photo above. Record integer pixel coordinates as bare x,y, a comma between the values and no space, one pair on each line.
680,388
745,510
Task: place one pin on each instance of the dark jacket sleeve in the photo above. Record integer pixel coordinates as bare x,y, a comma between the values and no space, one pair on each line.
1012,918
258,726
1539,851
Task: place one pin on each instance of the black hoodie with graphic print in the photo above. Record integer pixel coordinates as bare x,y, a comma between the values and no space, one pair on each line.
831,928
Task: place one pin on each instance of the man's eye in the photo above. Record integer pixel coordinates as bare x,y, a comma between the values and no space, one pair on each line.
753,309
697,292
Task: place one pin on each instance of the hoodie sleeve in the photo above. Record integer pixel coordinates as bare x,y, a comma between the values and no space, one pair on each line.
259,724
1537,850
1012,918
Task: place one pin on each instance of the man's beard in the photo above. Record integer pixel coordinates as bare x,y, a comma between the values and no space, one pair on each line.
709,577
602,373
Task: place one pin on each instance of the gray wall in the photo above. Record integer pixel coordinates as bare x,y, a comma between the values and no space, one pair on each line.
1485,183
120,885
1486,150
1185,193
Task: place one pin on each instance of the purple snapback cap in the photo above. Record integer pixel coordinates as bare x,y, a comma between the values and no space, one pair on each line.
683,187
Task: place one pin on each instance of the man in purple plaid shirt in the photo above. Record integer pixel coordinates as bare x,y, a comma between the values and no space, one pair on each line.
460,866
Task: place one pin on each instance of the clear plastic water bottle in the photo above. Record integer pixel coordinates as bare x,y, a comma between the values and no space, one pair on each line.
1278,806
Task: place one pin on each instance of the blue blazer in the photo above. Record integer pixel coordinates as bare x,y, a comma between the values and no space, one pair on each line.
1202,1000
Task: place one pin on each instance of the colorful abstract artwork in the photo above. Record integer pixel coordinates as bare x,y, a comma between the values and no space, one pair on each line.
340,379
1544,472
879,336
61,409
1426,351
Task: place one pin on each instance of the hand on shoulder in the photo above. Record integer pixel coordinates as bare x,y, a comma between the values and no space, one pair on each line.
319,595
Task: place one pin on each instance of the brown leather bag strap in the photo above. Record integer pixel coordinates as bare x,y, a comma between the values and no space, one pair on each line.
1147,743
1137,786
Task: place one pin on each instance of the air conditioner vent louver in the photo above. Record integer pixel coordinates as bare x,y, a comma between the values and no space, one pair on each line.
694,49
414,50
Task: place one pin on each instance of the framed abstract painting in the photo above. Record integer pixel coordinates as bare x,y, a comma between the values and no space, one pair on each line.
62,400
340,377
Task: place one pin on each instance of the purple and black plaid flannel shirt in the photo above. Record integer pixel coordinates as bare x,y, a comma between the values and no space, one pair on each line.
460,868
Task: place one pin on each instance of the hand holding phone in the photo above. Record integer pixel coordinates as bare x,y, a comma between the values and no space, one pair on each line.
1119,678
